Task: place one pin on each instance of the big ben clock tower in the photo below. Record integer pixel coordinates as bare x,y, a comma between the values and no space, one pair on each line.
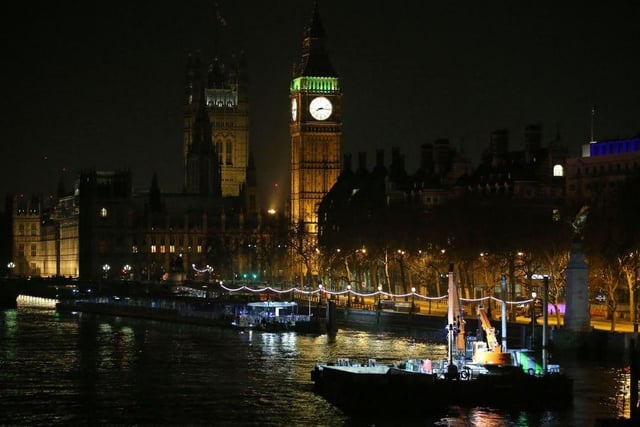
316,127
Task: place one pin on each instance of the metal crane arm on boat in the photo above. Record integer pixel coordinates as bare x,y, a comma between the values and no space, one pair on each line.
489,330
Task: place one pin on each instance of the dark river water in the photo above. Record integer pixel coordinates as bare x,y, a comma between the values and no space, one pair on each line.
80,369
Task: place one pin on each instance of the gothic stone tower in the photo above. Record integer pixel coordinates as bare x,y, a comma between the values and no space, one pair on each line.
202,163
225,91
316,127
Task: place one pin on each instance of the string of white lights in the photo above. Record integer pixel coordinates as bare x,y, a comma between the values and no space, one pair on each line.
203,270
363,295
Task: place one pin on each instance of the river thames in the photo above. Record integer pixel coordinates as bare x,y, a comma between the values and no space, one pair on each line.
82,369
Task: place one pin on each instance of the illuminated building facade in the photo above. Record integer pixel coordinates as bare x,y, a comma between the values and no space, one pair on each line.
65,237
45,239
220,90
104,230
316,127
27,247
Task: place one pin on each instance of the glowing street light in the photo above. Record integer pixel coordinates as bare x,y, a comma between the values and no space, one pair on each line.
106,269
348,295
11,266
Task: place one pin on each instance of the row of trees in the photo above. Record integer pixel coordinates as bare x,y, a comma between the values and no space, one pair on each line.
402,247
612,247
484,238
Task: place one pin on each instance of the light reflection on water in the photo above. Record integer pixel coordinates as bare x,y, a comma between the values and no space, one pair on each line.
61,369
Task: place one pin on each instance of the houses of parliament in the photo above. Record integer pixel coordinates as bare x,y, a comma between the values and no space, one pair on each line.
103,229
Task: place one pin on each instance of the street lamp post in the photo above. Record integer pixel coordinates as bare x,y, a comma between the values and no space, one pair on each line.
348,295
503,310
413,299
126,270
635,298
379,297
533,319
106,269
401,258
545,323
11,266
635,410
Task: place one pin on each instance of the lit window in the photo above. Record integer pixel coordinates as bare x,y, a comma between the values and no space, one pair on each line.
163,249
134,249
103,212
229,153
172,249
199,249
153,249
558,170
219,151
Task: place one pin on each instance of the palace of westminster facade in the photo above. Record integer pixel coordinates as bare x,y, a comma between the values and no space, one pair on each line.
103,229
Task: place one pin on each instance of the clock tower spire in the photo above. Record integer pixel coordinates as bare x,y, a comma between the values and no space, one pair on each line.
316,126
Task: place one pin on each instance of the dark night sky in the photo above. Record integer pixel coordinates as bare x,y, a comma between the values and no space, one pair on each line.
100,84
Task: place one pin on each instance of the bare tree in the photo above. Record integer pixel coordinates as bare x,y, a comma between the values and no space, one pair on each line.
305,254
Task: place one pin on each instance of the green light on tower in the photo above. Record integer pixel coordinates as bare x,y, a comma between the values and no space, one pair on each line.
315,84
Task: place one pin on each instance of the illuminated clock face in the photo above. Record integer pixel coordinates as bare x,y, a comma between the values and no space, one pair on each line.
320,108
294,109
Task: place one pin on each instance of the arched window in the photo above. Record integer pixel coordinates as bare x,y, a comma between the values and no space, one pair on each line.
229,153
558,170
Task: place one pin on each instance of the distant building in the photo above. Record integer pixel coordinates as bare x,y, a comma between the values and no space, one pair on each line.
603,167
363,204
106,210
535,173
103,230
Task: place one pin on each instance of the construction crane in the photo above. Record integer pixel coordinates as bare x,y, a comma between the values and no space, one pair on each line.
489,352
